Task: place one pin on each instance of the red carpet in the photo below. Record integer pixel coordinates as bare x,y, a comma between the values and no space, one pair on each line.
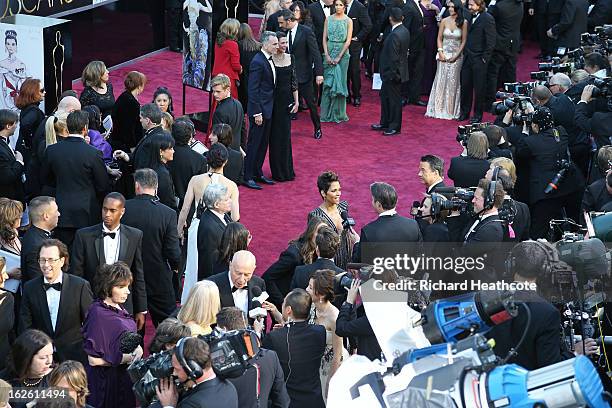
360,156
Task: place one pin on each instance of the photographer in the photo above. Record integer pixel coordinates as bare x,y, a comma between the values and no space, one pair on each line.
262,384
594,116
559,83
555,184
597,65
433,227
465,170
167,334
498,147
193,370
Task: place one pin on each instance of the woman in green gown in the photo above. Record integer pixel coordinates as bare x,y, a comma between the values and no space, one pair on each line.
337,34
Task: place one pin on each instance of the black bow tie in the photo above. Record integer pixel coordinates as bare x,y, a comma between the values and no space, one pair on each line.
234,289
326,6
57,286
109,234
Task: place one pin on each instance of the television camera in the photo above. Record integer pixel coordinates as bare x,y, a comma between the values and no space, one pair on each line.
464,131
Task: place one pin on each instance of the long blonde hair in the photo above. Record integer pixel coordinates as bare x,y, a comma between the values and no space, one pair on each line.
55,124
202,305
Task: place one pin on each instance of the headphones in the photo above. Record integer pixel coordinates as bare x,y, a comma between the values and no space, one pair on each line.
489,199
547,267
191,367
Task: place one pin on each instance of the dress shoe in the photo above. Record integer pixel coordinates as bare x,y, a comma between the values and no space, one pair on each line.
378,126
252,184
294,116
175,48
318,134
357,102
391,132
462,117
476,119
265,180
404,102
420,103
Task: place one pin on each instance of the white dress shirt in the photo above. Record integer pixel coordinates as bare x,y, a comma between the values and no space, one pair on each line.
53,300
111,245
241,296
293,32
326,10
418,4
388,212
220,216
348,7
269,58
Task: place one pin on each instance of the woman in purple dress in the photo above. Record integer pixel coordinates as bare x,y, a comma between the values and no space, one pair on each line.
430,9
104,328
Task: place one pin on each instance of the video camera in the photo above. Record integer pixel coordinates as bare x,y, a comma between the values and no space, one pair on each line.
464,131
600,41
457,199
516,102
146,373
603,87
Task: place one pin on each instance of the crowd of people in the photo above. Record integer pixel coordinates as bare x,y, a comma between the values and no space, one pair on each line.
112,213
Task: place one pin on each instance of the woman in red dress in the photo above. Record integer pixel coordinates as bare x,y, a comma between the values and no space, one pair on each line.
227,55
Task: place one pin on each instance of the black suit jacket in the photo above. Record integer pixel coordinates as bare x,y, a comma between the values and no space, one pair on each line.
481,38
159,242
215,393
272,391
272,23
306,51
75,299
388,228
186,164
600,15
225,291
353,322
595,197
466,171
318,21
127,130
413,21
362,24
572,24
78,174
234,168
30,246
261,87
88,254
210,232
302,274
302,345
11,174
598,124
7,311
394,55
508,15
165,187
229,111
522,221
279,275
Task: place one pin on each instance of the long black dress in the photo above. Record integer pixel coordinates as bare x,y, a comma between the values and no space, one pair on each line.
105,101
281,156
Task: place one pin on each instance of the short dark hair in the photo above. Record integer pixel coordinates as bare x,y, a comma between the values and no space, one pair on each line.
197,350
384,194
95,116
37,206
435,163
217,155
325,180
494,134
24,349
152,112
7,117
61,247
77,121
396,14
595,59
323,283
183,130
287,15
529,259
327,241
146,178
224,133
299,300
115,196
170,331
162,90
498,196
133,80
231,318
481,5
109,276
281,34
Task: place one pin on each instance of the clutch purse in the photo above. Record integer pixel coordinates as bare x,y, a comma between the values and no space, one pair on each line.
129,341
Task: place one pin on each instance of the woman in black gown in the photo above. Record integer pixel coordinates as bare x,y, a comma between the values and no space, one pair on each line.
98,90
285,102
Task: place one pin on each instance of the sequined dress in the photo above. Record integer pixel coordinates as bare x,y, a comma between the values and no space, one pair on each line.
444,99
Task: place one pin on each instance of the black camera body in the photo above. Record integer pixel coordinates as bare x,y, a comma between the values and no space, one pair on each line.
460,200
464,131
563,167
603,87
230,351
146,373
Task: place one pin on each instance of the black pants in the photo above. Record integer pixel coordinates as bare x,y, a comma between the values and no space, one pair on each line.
306,91
552,209
391,105
354,73
257,146
473,85
415,73
541,20
502,69
161,306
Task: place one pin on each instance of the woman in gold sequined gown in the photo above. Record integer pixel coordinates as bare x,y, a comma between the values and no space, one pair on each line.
444,99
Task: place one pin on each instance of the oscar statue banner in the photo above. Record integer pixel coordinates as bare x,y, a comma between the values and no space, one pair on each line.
197,43
41,8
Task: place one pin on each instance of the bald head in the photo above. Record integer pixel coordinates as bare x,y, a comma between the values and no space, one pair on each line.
69,104
242,267
541,94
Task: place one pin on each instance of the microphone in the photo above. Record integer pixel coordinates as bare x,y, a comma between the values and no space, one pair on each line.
347,221
258,298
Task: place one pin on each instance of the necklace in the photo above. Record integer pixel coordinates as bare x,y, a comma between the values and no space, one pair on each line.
32,384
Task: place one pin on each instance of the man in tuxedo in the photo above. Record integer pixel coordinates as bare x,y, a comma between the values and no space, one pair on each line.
212,224
361,29
159,241
56,302
573,22
413,21
303,45
236,285
273,24
107,243
508,15
77,172
268,375
477,55
431,172
262,77
299,347
394,68
228,110
43,219
389,226
327,243
12,169
319,11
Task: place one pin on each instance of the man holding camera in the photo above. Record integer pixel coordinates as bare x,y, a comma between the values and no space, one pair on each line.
594,116
193,370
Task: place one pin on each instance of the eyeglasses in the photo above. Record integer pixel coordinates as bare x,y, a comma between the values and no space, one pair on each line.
44,261
42,90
